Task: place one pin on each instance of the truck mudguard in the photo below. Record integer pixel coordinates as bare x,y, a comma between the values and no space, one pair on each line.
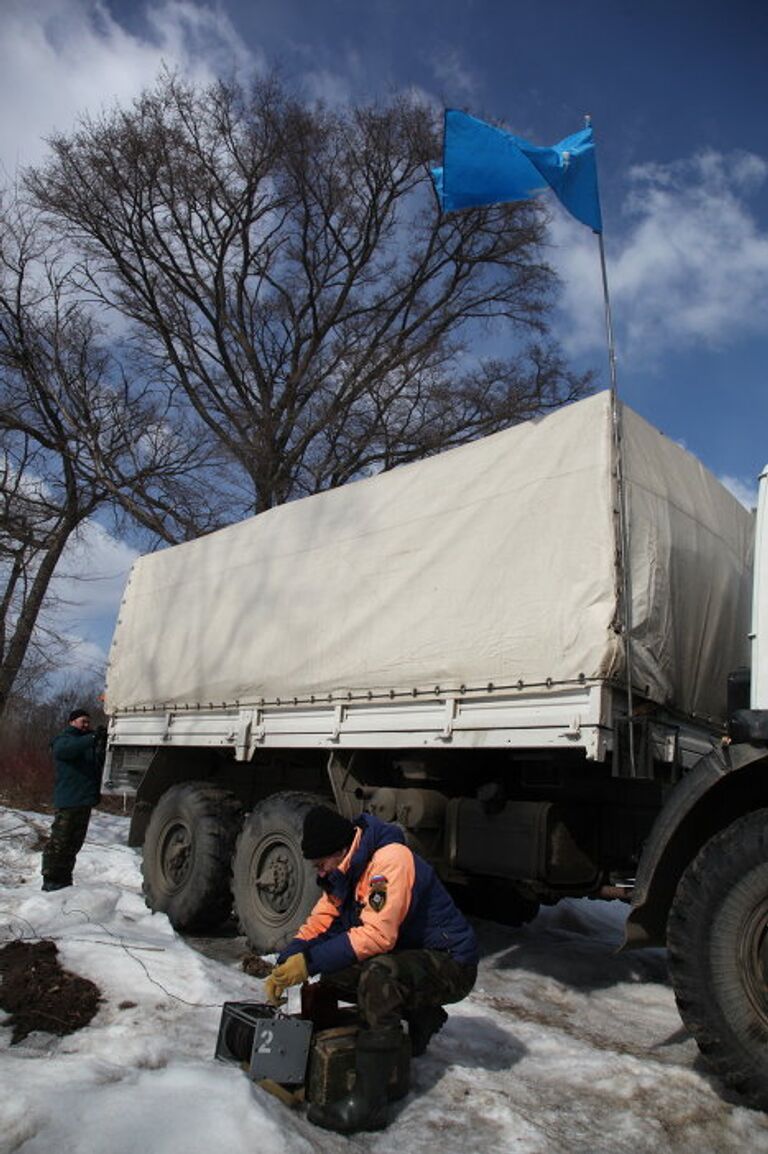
720,788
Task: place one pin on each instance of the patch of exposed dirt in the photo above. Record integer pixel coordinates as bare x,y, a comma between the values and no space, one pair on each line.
255,965
41,836
40,995
558,1018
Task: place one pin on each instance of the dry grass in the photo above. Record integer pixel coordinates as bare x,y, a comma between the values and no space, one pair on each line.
26,782
27,727
26,779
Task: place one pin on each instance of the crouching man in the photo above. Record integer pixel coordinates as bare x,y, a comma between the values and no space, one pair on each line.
385,934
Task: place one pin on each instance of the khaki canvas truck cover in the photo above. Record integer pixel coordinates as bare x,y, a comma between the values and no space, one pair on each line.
493,562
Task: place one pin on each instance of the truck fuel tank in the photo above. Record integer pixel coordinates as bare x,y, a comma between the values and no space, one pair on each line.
523,840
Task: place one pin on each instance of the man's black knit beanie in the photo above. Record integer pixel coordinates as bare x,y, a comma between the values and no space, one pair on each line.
78,713
325,832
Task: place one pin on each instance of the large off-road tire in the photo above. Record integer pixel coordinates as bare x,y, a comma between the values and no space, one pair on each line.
273,886
718,954
188,855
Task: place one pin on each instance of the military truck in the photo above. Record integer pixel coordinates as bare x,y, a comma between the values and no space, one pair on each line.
522,651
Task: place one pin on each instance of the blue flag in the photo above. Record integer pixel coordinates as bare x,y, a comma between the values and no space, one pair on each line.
485,165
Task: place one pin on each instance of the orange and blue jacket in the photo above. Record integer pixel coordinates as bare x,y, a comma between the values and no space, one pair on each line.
382,897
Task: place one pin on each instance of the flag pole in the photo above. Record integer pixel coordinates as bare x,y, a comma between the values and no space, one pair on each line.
622,512
489,166
608,320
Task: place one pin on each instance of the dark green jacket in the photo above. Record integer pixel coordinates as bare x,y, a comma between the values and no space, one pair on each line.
78,773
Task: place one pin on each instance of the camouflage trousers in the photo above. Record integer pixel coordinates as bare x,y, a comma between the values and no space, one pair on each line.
388,987
66,839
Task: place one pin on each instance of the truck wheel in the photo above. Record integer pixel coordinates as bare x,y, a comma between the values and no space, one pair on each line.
188,854
273,886
717,936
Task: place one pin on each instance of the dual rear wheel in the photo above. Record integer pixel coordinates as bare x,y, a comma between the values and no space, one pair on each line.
199,855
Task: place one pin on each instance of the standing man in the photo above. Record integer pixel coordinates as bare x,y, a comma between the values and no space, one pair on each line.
385,934
77,789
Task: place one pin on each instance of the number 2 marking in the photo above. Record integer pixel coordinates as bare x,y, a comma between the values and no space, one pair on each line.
265,1042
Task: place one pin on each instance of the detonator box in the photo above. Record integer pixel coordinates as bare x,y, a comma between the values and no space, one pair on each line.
296,1051
331,1072
269,1044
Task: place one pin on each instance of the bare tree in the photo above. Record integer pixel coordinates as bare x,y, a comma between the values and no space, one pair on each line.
285,268
73,437
29,521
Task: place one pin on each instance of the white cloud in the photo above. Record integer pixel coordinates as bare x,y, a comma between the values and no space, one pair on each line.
59,58
329,88
83,660
452,74
690,268
87,589
744,491
75,626
93,569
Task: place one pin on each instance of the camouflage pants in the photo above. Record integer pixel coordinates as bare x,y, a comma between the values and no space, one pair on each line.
67,836
387,987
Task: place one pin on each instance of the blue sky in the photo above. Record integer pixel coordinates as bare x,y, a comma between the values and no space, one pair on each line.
677,93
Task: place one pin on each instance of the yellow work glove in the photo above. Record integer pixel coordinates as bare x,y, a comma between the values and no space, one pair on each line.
274,992
291,972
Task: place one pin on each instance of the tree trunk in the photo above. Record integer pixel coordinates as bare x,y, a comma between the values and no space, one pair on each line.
21,632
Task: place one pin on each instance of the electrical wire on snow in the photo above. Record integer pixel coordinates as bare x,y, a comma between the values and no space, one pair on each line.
119,941
13,829
90,845
17,917
34,936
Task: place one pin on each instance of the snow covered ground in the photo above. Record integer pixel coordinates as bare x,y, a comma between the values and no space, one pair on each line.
564,1046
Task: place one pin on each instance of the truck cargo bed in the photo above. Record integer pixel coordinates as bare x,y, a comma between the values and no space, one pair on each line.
495,563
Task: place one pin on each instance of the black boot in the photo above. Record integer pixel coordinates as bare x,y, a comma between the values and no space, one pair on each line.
422,1025
365,1108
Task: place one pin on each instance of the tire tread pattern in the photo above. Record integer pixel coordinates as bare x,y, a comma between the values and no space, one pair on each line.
292,804
207,901
735,1046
